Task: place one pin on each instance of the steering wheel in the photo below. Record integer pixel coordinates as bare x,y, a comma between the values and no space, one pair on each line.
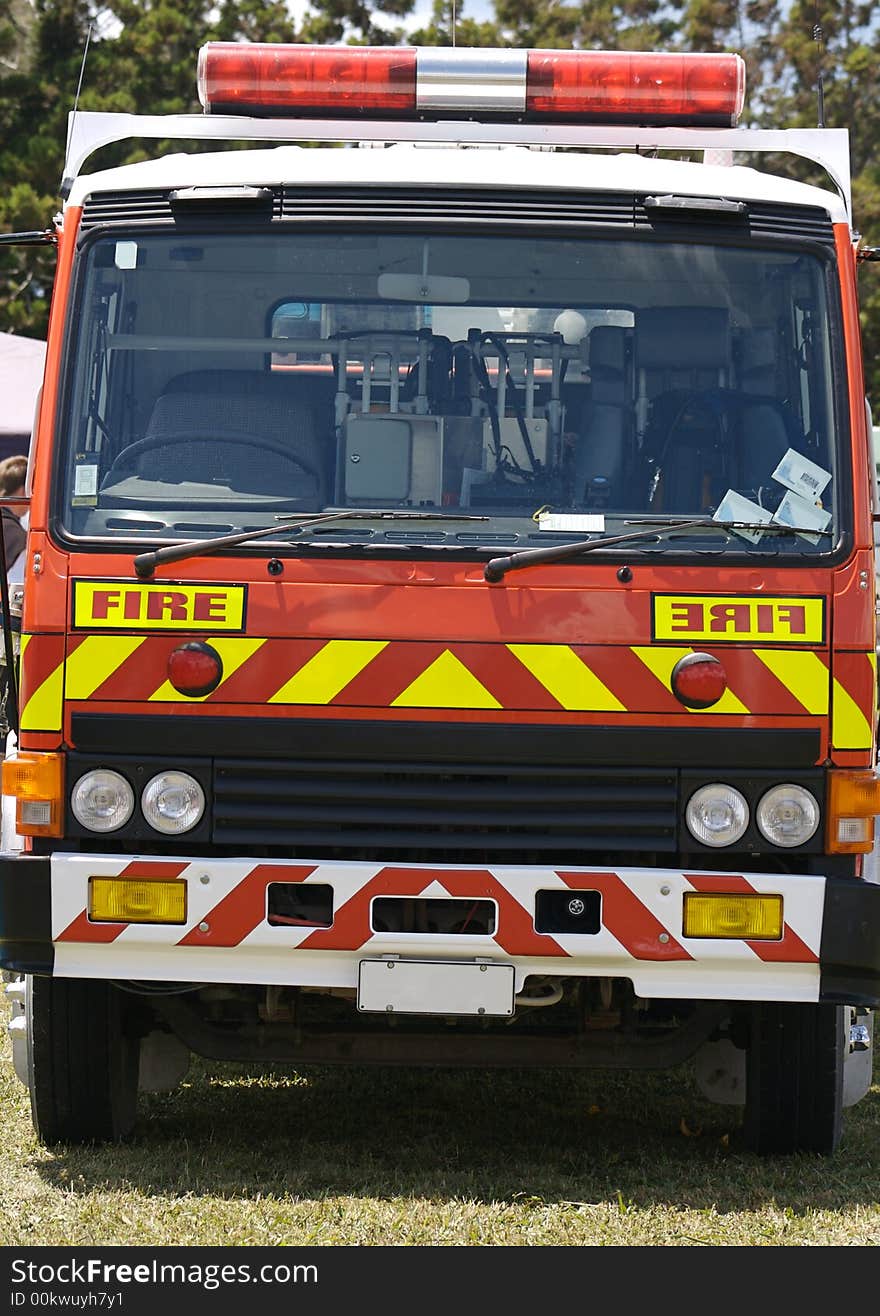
129,455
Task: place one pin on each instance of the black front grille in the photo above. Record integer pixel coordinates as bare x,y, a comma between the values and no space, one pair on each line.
338,808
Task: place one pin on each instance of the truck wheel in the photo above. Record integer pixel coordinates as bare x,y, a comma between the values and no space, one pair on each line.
794,1079
82,1066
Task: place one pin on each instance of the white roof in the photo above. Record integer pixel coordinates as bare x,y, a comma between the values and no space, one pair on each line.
434,166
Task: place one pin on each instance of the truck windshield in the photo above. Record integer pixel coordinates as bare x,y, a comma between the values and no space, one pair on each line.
553,387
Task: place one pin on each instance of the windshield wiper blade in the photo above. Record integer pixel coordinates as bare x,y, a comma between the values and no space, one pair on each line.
497,567
145,563
700,522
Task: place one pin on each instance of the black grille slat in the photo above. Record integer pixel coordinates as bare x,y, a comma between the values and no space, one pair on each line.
282,813
343,806
811,224
512,796
144,208
459,205
762,220
317,841
125,208
475,206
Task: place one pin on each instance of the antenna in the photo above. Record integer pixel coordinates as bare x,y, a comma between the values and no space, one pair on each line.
453,23
818,37
67,181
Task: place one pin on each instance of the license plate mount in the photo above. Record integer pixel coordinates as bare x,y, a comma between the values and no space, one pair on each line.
435,987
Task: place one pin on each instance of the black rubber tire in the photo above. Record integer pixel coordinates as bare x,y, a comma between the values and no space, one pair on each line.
83,1067
794,1079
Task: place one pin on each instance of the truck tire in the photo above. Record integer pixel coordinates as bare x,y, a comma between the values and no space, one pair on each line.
82,1066
794,1079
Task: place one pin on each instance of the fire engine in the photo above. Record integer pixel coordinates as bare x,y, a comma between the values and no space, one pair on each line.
448,632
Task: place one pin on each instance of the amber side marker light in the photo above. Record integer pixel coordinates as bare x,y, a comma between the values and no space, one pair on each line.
853,803
136,900
743,917
37,783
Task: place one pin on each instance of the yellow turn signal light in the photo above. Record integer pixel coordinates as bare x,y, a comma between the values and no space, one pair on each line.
853,803
37,783
744,917
136,900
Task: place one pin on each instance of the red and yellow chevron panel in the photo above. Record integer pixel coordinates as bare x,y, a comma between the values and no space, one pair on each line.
854,700
398,674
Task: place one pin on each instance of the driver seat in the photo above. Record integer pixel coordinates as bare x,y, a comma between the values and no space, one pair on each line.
683,356
214,422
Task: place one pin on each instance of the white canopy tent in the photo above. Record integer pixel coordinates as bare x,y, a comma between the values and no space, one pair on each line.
21,374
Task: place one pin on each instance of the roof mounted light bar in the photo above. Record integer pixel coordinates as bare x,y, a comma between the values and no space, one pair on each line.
575,86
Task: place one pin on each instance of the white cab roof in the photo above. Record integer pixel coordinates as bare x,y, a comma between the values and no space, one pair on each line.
437,166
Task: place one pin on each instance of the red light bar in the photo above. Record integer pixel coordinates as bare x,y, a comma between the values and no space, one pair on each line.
585,86
626,87
255,78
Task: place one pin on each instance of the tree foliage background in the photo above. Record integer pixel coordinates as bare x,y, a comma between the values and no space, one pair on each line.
142,57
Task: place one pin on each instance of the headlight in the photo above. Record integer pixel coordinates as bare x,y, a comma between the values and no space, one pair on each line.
787,815
173,802
717,814
102,801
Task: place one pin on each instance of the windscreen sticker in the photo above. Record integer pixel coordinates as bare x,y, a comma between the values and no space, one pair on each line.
802,514
582,522
689,617
85,481
120,605
733,507
801,475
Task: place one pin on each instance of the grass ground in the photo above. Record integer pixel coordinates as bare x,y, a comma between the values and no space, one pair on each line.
375,1156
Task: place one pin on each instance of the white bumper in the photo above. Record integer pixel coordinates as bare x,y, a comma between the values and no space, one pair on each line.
227,938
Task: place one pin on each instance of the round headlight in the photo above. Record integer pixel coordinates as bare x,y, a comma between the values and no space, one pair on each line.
173,802
102,801
717,814
787,815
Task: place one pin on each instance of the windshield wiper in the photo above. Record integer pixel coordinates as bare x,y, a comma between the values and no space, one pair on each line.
497,567
145,563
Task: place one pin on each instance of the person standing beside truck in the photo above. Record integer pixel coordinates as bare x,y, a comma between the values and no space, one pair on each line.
13,471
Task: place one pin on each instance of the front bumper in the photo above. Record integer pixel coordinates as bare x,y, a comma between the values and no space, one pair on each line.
829,951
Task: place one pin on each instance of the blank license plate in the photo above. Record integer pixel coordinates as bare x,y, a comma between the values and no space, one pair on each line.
429,987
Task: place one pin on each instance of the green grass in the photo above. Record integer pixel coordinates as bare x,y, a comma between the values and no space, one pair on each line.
376,1156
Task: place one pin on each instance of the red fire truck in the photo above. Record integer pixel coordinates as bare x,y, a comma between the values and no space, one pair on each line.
449,631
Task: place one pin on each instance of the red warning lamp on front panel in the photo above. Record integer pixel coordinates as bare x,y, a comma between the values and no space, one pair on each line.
582,86
195,669
698,680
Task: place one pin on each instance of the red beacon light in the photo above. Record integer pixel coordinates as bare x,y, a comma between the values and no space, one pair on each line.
577,86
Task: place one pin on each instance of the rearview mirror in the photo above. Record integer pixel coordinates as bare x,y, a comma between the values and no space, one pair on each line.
433,289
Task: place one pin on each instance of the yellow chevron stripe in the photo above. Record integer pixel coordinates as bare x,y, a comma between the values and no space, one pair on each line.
447,683
233,651
567,677
660,661
43,710
801,672
94,660
328,671
850,728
